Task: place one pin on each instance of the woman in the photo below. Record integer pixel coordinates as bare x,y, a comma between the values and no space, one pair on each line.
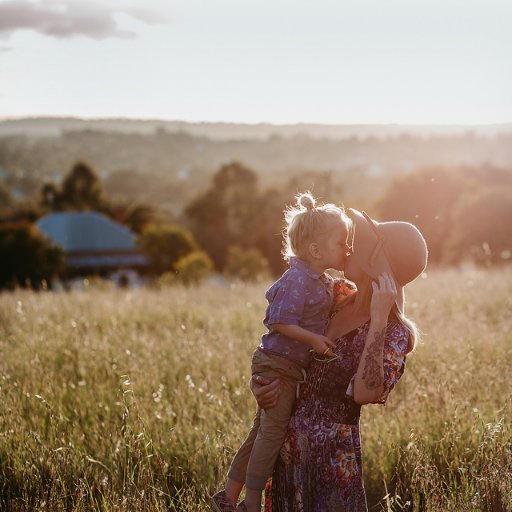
320,467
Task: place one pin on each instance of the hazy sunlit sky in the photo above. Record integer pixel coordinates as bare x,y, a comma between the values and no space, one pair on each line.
280,61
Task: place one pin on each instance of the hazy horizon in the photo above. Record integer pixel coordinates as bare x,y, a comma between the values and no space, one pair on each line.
43,126
41,117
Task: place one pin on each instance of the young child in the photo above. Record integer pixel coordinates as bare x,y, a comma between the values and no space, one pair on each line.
298,311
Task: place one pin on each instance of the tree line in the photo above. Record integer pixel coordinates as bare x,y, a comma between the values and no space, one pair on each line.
160,166
234,226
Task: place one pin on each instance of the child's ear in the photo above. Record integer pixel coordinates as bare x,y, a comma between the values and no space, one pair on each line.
314,251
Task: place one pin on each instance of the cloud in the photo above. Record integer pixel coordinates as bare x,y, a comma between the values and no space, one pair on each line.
68,18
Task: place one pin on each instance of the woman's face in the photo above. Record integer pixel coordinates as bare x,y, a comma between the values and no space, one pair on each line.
353,271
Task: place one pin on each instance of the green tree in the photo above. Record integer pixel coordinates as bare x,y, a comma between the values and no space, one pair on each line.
482,228
428,198
268,233
136,216
227,213
6,201
27,257
51,197
234,212
5,196
81,189
165,245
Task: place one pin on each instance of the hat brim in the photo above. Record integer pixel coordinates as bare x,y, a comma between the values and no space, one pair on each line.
371,258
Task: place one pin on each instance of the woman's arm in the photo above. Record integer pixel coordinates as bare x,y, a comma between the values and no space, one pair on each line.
368,384
265,391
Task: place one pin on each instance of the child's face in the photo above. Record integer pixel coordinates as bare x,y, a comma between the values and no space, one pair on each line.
335,249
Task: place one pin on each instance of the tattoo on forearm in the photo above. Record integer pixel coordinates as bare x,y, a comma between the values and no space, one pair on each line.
372,368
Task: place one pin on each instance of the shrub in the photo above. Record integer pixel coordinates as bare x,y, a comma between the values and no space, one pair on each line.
194,267
166,279
246,264
165,245
27,257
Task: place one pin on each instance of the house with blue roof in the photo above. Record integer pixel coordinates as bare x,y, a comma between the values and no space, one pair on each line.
92,242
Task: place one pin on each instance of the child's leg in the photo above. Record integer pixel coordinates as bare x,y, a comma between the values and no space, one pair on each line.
238,469
233,490
290,373
273,426
252,500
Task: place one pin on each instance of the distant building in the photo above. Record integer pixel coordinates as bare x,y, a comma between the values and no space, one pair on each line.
92,242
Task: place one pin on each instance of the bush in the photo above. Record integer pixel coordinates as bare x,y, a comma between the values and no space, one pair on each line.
194,267
165,245
27,257
165,280
246,264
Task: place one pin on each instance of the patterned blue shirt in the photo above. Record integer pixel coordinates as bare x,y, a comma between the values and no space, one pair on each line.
301,297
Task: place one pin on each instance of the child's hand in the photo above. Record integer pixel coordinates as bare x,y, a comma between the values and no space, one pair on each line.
322,345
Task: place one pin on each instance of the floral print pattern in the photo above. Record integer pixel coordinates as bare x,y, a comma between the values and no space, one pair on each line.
320,464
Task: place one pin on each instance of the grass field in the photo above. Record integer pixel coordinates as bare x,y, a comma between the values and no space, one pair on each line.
136,400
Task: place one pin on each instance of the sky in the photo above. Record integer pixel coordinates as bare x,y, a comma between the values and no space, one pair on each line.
439,62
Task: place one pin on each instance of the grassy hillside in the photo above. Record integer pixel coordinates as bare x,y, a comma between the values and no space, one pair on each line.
136,400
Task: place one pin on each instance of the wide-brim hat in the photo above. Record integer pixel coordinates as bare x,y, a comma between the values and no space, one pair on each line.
396,247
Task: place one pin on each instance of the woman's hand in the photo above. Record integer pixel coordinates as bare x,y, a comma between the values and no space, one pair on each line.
265,391
384,296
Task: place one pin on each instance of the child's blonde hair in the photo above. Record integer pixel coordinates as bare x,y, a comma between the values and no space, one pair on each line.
306,222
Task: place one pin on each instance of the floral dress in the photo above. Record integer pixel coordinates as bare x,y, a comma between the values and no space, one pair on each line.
320,467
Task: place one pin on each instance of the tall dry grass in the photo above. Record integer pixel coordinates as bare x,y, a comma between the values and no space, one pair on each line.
136,400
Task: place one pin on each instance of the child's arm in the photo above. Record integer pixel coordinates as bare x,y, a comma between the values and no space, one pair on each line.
319,343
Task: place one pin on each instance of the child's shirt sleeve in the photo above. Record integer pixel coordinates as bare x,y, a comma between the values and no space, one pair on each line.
287,299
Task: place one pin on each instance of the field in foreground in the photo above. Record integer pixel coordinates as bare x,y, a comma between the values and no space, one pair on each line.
136,400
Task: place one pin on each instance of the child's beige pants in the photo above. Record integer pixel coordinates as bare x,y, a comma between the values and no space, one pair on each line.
255,459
